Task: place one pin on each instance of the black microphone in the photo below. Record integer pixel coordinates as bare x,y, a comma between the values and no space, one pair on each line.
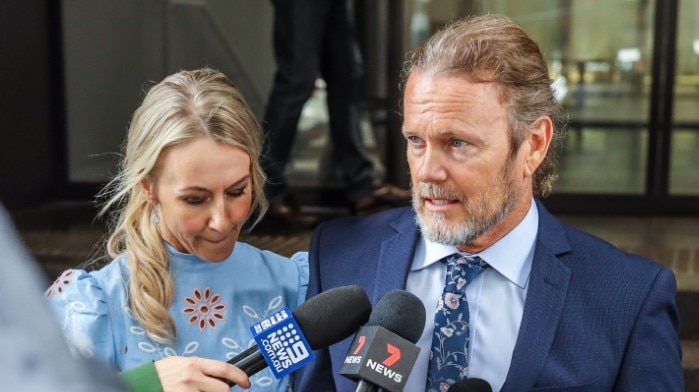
383,352
323,320
471,385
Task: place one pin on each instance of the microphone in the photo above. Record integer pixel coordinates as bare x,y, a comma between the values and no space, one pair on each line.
286,339
383,351
471,385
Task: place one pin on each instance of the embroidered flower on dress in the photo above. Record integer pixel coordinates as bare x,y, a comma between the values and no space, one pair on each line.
58,284
204,309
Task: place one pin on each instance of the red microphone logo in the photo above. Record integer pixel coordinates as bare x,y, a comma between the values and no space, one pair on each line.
394,357
362,340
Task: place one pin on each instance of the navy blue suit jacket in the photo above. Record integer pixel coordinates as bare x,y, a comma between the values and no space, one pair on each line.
595,318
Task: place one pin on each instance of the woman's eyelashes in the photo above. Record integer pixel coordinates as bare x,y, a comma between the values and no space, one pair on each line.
236,192
198,200
194,200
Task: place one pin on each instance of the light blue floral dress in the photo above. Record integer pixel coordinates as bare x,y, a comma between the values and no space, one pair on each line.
213,308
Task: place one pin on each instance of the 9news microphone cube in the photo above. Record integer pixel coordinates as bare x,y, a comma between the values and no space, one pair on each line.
282,343
380,357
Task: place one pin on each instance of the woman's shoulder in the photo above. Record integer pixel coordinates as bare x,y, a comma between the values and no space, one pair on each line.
87,304
294,267
268,257
289,274
97,283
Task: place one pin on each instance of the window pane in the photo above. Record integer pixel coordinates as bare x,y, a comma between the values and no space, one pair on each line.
599,53
684,176
596,157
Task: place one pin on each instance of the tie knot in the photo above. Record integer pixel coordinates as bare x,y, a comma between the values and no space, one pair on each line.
457,259
462,270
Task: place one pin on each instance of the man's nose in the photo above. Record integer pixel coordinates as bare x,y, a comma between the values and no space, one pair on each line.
430,167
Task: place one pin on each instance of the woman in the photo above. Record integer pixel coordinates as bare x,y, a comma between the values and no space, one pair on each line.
180,288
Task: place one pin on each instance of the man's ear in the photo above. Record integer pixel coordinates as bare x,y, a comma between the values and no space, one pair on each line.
149,189
539,140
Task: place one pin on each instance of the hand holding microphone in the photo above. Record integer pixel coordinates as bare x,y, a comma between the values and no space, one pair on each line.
383,351
184,374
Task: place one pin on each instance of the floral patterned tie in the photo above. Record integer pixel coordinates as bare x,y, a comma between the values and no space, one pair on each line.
450,342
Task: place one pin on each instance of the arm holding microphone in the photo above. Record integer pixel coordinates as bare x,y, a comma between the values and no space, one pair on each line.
197,374
322,320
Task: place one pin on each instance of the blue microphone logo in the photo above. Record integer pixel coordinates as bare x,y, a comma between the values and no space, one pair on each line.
282,344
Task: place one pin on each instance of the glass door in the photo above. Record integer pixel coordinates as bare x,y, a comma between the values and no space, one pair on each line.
684,176
599,54
632,142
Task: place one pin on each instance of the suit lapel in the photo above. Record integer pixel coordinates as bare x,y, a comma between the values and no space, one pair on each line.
396,255
548,285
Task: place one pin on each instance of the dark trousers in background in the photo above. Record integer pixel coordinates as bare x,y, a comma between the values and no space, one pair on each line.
315,38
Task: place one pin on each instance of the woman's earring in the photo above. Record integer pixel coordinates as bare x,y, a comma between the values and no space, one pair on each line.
154,217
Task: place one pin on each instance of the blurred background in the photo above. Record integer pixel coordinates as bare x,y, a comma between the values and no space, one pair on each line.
626,71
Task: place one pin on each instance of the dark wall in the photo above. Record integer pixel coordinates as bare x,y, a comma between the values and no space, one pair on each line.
30,91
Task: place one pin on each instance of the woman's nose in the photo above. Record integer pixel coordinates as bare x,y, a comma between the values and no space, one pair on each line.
219,221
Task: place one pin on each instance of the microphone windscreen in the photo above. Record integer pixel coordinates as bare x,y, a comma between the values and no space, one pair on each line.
333,315
400,312
471,385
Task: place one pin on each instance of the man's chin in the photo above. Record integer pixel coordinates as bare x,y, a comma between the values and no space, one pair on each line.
432,218
430,221
443,229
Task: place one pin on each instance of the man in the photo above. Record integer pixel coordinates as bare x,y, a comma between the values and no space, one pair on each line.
554,308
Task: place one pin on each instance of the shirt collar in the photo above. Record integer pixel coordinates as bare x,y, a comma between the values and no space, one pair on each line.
511,256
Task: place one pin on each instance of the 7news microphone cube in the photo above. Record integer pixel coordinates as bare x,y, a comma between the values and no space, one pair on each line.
380,357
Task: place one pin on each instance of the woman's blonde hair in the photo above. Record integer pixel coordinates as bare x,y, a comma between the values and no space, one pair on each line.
184,106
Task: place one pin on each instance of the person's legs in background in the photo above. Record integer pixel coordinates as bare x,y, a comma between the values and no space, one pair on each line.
342,70
298,32
313,37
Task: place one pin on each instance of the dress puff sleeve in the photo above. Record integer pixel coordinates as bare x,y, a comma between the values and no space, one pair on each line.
301,261
80,306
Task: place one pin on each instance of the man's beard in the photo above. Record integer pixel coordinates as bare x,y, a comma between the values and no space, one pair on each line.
483,212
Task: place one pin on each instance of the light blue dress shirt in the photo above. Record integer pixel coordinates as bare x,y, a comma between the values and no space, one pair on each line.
495,300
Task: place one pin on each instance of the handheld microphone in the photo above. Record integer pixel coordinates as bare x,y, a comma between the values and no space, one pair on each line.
283,341
471,385
383,351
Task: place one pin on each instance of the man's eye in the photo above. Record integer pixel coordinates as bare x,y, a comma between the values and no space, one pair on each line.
458,143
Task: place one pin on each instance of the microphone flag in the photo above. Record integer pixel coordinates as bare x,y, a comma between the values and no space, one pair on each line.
282,343
380,357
